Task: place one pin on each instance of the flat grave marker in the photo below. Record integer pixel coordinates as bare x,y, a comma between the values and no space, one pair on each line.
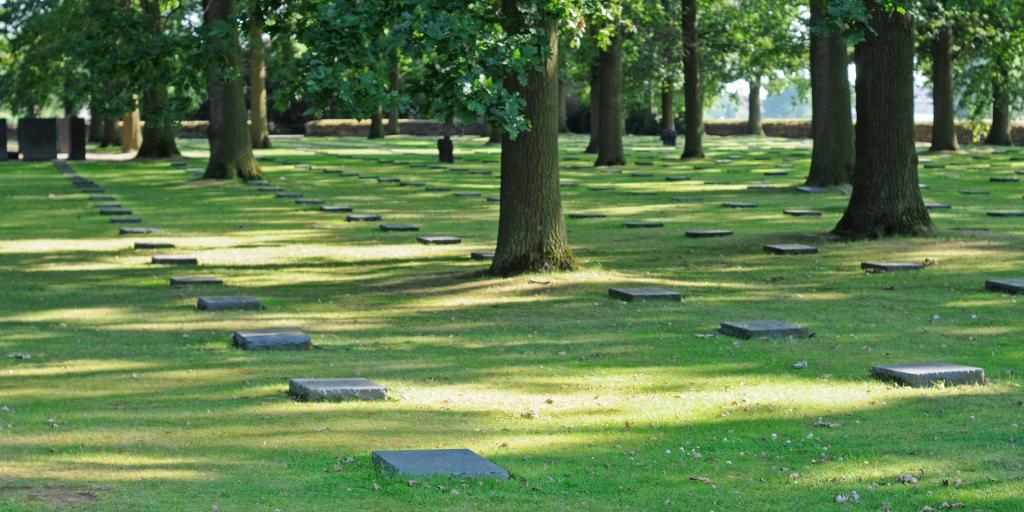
451,463
643,224
174,260
438,240
739,204
398,227
153,245
790,249
129,230
195,281
467,194
272,339
288,195
335,208
643,294
926,375
802,213
102,198
1006,213
875,267
362,217
126,220
115,211
587,215
1004,179
1011,286
807,189
481,256
225,303
314,202
708,233
764,329
937,206
438,189
336,390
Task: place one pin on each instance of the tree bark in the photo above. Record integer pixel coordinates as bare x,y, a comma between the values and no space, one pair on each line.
230,140
886,199
609,140
531,229
158,130
694,115
832,157
999,132
259,130
377,124
131,132
668,115
395,85
944,123
110,137
595,107
754,108
494,137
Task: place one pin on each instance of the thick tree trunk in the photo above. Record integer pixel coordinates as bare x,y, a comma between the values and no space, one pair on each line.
395,85
230,140
609,139
563,117
832,158
445,147
694,115
377,124
158,131
595,107
886,199
110,136
131,132
494,137
999,132
944,123
754,108
531,229
258,128
95,126
668,115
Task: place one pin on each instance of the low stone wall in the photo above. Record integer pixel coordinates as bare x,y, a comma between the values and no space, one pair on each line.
354,128
801,129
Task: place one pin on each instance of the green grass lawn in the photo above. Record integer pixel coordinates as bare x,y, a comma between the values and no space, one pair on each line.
133,400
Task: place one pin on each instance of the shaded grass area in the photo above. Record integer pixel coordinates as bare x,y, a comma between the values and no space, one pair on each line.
132,400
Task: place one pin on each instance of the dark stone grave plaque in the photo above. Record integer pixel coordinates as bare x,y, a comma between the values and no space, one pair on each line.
336,390
458,463
481,256
138,231
644,293
398,227
195,281
174,260
643,224
438,240
272,339
802,213
1011,286
739,204
708,233
926,375
587,215
765,329
786,249
1006,213
362,217
335,208
37,139
76,149
153,245
889,267
225,303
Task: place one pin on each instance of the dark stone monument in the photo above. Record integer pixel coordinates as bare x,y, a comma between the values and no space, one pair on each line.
445,151
937,206
126,220
1006,213
975,192
138,231
1011,286
336,208
765,329
643,224
398,227
926,375
228,303
288,195
272,339
438,240
481,256
444,463
493,199
115,211
708,233
76,149
438,189
195,280
802,213
362,217
889,267
739,204
790,249
644,293
37,139
1004,179
677,178
153,245
587,215
668,137
174,260
336,390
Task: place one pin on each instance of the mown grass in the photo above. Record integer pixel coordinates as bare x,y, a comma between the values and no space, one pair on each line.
132,400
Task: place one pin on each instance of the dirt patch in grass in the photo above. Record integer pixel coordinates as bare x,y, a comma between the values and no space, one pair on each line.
59,496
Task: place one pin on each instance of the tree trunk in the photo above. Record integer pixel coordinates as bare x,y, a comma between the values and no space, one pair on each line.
832,157
999,132
563,117
395,85
595,107
445,146
258,127
886,199
494,137
694,115
158,131
944,123
95,126
131,132
754,108
531,229
668,115
110,137
230,140
377,124
609,140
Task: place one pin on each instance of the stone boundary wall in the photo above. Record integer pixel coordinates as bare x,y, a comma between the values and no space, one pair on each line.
801,129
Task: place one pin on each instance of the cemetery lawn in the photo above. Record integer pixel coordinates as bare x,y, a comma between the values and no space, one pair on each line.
116,394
